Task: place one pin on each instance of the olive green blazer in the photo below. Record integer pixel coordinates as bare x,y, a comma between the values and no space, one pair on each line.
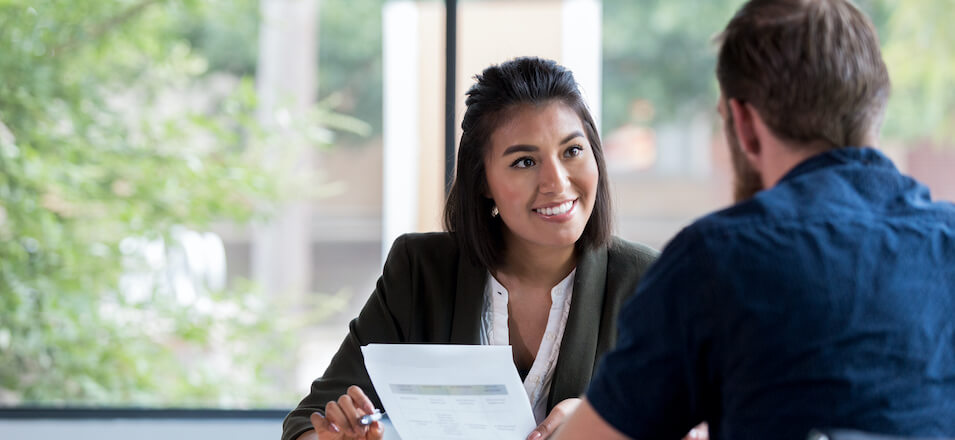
430,293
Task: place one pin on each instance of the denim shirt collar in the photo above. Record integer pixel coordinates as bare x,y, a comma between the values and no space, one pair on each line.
839,156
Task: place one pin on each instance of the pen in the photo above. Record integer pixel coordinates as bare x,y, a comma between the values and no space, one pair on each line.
368,419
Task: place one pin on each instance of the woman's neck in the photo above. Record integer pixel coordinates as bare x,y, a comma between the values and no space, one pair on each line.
538,266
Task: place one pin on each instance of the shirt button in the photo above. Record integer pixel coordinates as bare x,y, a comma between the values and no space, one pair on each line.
549,336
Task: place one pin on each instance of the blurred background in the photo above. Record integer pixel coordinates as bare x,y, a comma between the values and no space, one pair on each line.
196,196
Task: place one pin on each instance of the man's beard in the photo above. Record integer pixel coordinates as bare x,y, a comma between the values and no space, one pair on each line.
746,180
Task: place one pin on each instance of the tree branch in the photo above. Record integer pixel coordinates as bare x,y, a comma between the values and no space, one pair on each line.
104,27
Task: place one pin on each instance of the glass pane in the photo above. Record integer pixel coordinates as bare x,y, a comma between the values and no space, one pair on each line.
195,196
188,191
663,137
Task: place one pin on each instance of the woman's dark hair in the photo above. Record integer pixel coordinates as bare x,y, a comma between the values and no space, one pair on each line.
499,90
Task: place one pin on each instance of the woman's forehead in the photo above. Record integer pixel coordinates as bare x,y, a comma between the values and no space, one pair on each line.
536,124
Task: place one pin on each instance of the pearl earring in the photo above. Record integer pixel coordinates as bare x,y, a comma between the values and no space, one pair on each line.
494,211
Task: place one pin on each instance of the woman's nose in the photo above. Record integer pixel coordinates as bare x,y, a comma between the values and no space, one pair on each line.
553,177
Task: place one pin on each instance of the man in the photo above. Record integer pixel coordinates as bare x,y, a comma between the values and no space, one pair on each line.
825,298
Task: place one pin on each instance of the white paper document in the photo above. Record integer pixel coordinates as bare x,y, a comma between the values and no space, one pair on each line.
450,391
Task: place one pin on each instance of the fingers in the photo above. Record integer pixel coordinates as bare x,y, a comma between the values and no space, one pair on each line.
347,404
554,419
342,416
361,400
322,425
338,415
346,415
700,432
542,431
376,431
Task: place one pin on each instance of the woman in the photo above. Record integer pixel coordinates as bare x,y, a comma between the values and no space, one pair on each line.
528,259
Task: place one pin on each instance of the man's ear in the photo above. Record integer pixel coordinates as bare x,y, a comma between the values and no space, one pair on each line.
744,125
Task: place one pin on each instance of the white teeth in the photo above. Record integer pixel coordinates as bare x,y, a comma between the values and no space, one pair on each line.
563,208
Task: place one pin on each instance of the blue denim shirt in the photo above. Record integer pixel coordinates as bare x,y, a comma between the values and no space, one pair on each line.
825,301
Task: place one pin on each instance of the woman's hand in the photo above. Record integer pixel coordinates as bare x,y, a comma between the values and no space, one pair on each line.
700,432
341,418
554,419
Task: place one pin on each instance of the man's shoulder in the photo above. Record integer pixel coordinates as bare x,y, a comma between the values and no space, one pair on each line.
765,207
775,209
712,241
840,202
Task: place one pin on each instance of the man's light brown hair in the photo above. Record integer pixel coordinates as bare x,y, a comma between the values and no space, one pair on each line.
811,68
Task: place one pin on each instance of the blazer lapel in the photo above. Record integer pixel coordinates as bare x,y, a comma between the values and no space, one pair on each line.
468,303
578,347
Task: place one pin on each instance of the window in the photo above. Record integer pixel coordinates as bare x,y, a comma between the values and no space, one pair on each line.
195,197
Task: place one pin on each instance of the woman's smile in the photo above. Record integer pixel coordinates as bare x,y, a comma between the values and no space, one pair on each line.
558,212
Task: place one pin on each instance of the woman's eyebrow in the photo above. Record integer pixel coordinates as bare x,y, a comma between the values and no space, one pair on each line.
573,135
523,148
520,148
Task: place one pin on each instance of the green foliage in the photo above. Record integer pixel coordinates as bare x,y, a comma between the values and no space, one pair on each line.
349,52
109,131
917,44
660,52
350,58
225,33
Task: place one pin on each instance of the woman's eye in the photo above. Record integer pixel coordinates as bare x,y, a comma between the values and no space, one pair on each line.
524,162
574,151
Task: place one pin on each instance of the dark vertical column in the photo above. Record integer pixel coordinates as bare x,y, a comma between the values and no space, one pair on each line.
450,63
